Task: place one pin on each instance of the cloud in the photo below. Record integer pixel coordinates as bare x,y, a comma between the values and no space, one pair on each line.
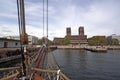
8,9
99,17
31,30
8,30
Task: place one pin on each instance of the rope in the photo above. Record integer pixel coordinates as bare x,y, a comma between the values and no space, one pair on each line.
47,18
11,76
21,21
43,18
10,68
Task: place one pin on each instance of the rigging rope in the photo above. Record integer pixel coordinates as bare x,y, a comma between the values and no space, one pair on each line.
43,17
47,18
21,22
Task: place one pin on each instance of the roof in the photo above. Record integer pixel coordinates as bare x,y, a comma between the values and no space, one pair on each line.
57,39
78,37
5,39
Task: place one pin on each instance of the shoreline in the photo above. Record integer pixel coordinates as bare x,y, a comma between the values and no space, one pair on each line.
108,47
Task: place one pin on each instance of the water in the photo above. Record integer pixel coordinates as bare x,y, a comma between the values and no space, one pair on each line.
86,65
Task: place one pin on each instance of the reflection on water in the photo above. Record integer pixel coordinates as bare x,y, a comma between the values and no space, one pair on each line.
86,65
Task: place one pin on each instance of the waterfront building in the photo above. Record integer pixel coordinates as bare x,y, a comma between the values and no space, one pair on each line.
97,40
9,43
31,39
58,41
79,39
113,36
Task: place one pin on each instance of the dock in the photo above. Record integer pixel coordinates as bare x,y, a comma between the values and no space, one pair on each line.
6,59
70,47
8,54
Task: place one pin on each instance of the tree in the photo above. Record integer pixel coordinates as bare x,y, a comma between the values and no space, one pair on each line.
42,41
66,40
114,41
97,40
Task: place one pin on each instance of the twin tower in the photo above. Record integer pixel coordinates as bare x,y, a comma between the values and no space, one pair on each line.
79,39
80,31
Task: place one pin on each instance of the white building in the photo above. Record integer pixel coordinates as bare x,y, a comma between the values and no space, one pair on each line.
114,36
9,43
31,39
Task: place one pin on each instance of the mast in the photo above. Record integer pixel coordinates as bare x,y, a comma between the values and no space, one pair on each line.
23,34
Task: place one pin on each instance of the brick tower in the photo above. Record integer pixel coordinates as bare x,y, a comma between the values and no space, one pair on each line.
68,31
81,30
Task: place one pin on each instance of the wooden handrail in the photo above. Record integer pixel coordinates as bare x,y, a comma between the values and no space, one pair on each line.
51,71
9,68
10,76
64,76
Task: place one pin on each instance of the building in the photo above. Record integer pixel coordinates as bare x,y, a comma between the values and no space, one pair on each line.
9,43
31,39
113,36
97,40
79,39
58,41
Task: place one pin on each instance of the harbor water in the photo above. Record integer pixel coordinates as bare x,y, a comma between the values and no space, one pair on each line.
86,65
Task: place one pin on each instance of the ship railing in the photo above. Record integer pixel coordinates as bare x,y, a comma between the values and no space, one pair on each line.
59,74
13,72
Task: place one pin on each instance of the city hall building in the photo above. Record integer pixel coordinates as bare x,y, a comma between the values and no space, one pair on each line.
79,39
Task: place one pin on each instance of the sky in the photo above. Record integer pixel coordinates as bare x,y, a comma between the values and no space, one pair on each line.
99,17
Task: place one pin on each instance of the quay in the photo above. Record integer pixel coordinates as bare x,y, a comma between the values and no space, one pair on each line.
70,47
6,59
90,48
8,54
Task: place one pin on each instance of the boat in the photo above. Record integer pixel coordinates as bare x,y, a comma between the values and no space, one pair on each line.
41,65
97,49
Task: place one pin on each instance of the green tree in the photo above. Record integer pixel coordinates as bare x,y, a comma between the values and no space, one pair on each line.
91,42
114,41
66,41
42,40
97,40
50,42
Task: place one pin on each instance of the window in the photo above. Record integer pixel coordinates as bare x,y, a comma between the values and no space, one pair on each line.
16,44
